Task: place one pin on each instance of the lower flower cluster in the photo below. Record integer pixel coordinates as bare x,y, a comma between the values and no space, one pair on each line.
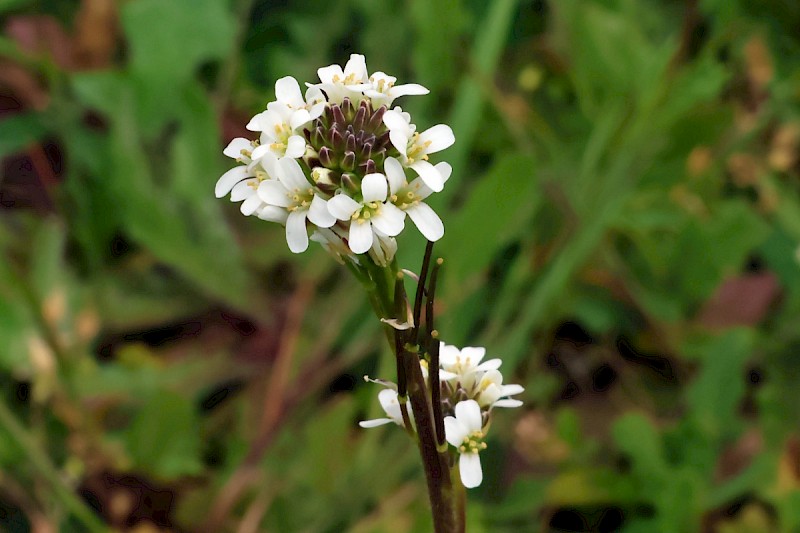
470,389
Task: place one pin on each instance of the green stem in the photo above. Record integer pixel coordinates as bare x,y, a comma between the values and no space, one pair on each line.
38,458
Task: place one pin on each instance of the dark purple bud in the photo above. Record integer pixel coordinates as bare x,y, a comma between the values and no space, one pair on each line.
326,157
337,141
360,119
376,120
369,167
348,109
318,137
350,183
338,116
366,150
350,143
349,161
328,114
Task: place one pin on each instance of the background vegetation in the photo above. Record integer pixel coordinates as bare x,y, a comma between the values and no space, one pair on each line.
623,229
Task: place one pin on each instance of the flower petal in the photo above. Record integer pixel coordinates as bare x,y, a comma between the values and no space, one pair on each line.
429,175
326,74
509,403
427,221
242,190
249,206
342,206
491,364
473,353
318,213
360,236
440,137
511,390
374,188
454,431
226,182
257,122
407,89
287,90
296,235
375,422
273,192
292,176
235,147
273,213
357,65
468,412
390,220
395,174
448,354
295,147
299,117
469,464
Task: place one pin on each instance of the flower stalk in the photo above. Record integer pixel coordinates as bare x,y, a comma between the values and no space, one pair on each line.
341,163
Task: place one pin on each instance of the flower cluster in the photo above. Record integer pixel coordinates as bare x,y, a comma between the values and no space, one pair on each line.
470,390
341,162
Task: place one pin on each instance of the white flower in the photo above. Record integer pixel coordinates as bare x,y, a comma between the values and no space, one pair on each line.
350,82
293,192
391,405
409,197
415,147
465,432
492,393
383,90
287,92
372,213
464,364
278,125
243,181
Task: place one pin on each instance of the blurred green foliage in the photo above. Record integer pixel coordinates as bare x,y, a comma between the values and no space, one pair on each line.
623,229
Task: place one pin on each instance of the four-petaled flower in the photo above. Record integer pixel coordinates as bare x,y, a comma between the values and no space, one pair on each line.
293,192
372,213
391,405
415,147
465,432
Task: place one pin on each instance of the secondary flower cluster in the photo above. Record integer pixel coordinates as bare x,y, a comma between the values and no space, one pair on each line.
470,390
337,160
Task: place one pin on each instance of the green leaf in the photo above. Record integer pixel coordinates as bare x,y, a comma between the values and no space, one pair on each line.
169,40
495,213
715,395
164,438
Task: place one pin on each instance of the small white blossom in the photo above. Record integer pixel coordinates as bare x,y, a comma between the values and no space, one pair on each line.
415,147
278,125
490,391
293,192
391,405
465,432
350,82
409,197
242,181
463,365
383,90
287,92
372,214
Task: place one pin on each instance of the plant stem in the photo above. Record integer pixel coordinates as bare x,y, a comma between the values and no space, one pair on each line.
435,463
38,458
